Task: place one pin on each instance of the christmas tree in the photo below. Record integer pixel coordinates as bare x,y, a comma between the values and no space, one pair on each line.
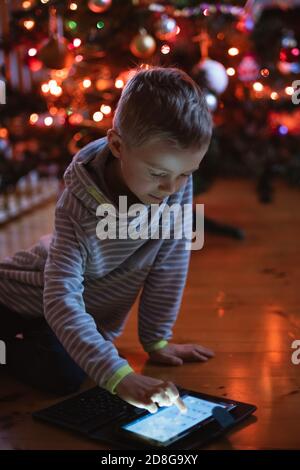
64,64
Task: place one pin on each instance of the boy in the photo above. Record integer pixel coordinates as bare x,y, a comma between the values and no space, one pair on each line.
84,286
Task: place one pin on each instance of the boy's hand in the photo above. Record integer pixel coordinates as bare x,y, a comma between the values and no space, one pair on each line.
177,354
142,392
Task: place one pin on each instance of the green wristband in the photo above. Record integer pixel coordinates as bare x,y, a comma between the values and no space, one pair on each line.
117,377
155,346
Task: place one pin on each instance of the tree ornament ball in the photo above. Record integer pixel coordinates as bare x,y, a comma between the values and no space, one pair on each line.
99,6
215,73
248,69
143,45
54,54
166,28
212,101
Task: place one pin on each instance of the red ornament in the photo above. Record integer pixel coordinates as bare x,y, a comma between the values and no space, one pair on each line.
99,6
248,69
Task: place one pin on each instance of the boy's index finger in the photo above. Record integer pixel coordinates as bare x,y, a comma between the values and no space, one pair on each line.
180,405
173,393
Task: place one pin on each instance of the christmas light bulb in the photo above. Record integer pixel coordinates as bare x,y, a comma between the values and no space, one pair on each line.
48,121
29,24
105,109
32,52
71,25
57,91
3,133
86,83
274,95
233,51
257,86
33,118
76,42
119,83
97,116
45,88
75,119
289,90
165,49
295,51
27,4
265,72
230,71
283,130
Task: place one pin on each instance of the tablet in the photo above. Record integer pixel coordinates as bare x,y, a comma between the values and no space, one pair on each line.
101,416
169,424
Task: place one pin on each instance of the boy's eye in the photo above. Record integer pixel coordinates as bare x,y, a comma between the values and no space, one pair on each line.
163,174
154,174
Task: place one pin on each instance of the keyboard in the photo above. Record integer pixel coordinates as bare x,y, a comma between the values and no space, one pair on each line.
88,410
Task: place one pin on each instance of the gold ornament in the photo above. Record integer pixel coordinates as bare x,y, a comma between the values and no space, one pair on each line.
55,54
143,45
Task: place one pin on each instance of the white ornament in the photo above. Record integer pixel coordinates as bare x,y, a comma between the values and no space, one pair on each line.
216,76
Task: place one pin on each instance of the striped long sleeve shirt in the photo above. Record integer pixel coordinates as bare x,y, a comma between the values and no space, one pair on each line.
85,286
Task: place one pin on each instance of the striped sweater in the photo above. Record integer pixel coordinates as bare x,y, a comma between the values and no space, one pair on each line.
85,286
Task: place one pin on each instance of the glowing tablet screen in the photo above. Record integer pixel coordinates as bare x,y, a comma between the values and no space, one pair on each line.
168,422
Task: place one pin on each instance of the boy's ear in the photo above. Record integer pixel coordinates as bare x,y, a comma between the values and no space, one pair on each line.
114,142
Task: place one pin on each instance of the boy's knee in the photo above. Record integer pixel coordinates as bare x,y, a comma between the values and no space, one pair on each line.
51,371
65,376
60,381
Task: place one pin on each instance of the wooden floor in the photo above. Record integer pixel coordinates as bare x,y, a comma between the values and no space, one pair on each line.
242,300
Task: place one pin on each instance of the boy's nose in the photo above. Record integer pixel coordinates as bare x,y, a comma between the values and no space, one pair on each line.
167,188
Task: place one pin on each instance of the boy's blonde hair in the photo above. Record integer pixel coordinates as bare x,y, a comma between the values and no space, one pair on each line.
163,103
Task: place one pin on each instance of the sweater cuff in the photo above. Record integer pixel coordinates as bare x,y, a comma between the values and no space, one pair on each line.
155,346
117,377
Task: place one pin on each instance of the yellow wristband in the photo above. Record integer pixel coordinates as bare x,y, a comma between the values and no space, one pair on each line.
155,346
117,377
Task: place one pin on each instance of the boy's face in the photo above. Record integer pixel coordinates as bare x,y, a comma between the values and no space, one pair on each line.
155,170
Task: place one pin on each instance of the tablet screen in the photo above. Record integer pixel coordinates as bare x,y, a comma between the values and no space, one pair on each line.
168,422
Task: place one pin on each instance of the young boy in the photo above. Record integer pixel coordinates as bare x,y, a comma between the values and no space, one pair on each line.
84,286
